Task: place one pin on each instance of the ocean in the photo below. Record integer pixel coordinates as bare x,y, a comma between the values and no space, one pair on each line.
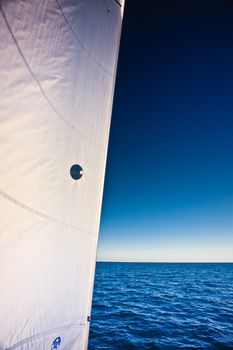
151,306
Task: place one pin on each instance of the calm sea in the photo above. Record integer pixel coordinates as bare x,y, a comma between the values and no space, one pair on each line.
141,306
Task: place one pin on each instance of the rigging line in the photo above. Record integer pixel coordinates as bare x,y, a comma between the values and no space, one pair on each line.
42,215
50,331
118,2
80,42
72,127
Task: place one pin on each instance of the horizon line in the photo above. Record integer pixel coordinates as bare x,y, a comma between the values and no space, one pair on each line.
168,262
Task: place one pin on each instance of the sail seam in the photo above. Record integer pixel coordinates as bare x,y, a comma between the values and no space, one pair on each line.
40,214
80,42
37,336
30,70
38,82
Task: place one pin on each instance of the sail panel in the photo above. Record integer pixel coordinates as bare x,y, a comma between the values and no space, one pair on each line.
58,61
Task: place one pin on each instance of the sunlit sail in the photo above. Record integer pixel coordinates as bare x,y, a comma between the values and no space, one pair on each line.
58,66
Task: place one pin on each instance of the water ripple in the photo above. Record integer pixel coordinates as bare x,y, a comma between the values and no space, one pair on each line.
162,306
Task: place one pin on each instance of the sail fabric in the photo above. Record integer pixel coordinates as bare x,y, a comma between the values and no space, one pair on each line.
57,66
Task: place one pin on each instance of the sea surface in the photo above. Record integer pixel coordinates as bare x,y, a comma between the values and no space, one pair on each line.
171,306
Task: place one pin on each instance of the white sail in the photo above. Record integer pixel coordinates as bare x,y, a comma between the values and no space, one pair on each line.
58,66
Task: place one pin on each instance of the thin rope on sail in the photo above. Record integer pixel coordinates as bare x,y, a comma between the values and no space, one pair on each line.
50,331
42,215
80,42
118,2
55,110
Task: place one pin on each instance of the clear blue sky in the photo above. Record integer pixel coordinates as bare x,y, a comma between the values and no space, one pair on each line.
169,181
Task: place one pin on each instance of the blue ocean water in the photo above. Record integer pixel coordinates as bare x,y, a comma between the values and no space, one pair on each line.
151,306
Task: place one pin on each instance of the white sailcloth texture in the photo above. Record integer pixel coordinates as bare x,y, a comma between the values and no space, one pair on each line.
57,65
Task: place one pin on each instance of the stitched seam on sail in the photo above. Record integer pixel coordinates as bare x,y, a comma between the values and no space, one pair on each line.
37,336
38,82
40,214
30,70
80,42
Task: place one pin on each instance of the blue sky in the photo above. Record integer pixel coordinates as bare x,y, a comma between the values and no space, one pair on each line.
169,180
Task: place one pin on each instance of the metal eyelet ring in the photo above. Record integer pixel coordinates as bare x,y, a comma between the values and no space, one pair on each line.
76,172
